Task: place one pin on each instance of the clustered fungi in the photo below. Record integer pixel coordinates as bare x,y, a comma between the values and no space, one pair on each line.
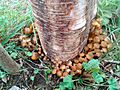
98,43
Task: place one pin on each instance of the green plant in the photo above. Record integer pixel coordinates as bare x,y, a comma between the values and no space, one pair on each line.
67,83
46,73
109,9
36,71
93,67
112,84
14,14
2,74
13,49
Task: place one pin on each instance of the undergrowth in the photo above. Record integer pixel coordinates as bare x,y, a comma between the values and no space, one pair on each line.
15,14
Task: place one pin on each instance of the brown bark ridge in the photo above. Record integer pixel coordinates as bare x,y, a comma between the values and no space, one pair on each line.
63,26
7,63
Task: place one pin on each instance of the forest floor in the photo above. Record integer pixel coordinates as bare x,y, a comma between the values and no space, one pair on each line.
37,74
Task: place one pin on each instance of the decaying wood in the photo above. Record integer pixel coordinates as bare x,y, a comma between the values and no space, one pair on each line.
7,63
63,26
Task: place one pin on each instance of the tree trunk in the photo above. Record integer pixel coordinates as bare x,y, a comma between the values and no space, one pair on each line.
7,63
63,26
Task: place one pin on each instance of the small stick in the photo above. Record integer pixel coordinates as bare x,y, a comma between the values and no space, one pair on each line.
112,62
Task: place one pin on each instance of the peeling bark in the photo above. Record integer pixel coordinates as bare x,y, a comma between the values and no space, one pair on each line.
63,26
7,63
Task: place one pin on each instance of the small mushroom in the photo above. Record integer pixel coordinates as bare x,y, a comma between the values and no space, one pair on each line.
107,40
28,30
89,57
104,50
79,66
74,68
96,46
104,44
35,56
82,54
86,48
54,71
23,37
65,74
69,63
90,46
59,73
109,46
24,43
62,67
78,72
96,39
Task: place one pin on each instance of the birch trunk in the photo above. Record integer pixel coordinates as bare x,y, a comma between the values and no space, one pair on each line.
63,26
7,63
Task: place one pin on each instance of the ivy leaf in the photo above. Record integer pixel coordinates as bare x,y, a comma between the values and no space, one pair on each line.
13,54
32,78
91,65
36,71
28,54
48,71
68,79
97,77
2,74
62,85
112,84
67,83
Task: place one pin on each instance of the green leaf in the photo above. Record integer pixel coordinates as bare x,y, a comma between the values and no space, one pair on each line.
67,83
112,84
91,65
36,71
32,78
2,74
62,86
14,54
97,77
48,71
28,53
68,78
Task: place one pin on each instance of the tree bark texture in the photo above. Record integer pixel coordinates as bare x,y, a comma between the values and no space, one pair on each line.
63,26
7,63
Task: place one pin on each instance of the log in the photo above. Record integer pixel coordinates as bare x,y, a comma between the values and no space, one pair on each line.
7,63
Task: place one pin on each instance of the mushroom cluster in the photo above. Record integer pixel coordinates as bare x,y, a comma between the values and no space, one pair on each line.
30,40
98,43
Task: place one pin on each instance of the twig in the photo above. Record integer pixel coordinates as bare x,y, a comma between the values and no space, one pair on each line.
112,62
96,85
111,73
114,37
